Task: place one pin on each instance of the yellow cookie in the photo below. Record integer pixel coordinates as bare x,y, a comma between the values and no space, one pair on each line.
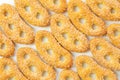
6,46
57,6
68,75
13,25
9,70
51,51
67,35
33,12
32,67
113,32
88,69
105,54
106,9
84,20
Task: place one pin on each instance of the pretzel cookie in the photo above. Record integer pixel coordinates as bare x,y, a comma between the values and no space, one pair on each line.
113,32
106,9
51,51
6,46
105,54
68,75
13,26
9,70
67,35
26,58
33,12
84,20
57,6
88,69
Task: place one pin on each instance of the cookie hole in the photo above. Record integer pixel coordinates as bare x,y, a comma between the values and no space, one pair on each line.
26,56
62,58
59,23
11,78
116,33
112,11
106,78
92,76
3,46
76,8
94,27
44,74
6,67
44,39
84,65
50,51
98,47
56,2
107,58
38,16
76,42
22,34
6,14
32,68
65,35
82,20
11,26
27,8
100,5
69,78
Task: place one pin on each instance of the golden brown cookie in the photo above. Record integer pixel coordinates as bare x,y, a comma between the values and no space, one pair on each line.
33,12
13,25
113,32
105,54
6,46
51,51
9,70
32,67
67,35
68,75
84,20
57,6
88,69
106,9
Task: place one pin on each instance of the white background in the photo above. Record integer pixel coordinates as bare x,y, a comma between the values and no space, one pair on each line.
48,29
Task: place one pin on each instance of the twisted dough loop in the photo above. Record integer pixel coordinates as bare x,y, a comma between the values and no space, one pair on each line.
88,69
106,9
113,32
33,12
9,70
68,75
50,50
14,27
105,54
84,20
67,35
26,58
6,46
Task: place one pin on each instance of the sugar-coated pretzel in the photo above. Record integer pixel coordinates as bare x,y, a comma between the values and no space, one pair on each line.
26,58
51,51
113,32
68,75
105,53
106,9
6,46
67,35
88,69
9,70
13,25
33,12
84,20
57,6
